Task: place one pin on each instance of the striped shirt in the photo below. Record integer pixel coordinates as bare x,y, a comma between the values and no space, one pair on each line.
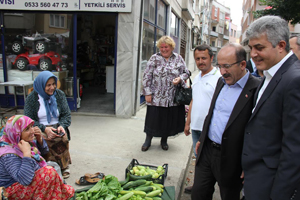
15,169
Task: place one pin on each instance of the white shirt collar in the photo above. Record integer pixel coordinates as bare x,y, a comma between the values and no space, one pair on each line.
272,71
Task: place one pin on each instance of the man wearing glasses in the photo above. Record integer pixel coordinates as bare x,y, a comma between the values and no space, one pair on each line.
220,145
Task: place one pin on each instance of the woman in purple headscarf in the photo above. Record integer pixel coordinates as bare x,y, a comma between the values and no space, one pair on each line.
23,171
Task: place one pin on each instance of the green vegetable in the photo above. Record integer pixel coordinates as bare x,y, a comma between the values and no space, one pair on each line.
144,188
156,198
132,184
153,193
134,177
126,196
107,189
126,180
135,192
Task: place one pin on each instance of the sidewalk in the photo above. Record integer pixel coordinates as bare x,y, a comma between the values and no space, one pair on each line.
108,144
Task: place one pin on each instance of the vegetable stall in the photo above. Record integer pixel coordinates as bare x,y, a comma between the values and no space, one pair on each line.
142,182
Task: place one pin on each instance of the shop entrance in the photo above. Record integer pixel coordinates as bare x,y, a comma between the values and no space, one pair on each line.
95,62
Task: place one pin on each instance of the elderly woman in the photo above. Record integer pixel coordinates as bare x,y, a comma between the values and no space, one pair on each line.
23,171
49,109
164,71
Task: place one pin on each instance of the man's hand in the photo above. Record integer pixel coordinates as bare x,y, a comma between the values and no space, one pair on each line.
187,129
197,146
242,176
148,98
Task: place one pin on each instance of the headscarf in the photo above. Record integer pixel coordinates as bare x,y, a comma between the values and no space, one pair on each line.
12,135
39,85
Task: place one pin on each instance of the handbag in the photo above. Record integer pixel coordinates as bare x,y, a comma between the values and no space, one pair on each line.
183,95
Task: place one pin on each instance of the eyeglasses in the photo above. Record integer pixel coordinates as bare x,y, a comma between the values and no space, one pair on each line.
227,66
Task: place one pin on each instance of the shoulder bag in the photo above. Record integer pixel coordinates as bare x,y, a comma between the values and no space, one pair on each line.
183,95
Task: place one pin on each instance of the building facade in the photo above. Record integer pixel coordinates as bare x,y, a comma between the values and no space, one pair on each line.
97,50
219,27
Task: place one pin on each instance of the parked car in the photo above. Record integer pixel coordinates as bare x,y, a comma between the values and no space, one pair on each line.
39,43
47,61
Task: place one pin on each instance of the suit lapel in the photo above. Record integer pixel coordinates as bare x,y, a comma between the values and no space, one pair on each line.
244,97
258,88
273,83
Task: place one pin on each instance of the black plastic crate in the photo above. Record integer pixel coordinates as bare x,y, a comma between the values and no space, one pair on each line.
161,179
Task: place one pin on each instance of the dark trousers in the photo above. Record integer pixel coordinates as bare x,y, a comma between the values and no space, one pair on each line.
207,173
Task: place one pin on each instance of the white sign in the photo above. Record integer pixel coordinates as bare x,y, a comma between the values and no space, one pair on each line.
68,5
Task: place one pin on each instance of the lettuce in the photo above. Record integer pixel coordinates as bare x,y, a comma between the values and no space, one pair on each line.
106,189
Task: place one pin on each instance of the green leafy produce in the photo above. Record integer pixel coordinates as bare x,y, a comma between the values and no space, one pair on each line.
107,189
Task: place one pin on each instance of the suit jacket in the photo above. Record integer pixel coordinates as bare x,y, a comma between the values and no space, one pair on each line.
271,152
232,139
249,66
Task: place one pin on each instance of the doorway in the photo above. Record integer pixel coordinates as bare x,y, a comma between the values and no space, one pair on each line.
96,63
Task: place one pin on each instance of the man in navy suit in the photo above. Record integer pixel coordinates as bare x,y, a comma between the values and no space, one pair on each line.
271,151
220,145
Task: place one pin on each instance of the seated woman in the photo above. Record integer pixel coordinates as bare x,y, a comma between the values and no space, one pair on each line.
23,171
49,109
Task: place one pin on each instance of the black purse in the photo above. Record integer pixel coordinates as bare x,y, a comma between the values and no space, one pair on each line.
183,95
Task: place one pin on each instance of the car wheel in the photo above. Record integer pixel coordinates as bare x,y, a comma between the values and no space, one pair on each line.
22,63
45,64
17,47
40,47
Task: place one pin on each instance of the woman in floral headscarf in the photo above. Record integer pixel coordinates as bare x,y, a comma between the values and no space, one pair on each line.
23,171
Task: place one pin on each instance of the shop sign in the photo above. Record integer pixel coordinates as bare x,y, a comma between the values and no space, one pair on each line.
68,5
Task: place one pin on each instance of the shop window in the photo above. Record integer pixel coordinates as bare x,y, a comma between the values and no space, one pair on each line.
34,44
161,14
149,10
154,27
57,21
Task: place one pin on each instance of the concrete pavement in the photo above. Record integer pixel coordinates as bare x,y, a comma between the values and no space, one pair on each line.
108,144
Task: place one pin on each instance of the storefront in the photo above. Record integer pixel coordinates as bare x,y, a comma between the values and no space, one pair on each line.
79,41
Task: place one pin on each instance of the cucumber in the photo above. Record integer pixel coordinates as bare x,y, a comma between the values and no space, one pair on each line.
144,188
160,185
132,184
135,192
156,198
126,196
125,181
153,193
134,177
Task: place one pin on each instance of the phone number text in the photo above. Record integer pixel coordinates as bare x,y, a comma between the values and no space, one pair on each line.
45,5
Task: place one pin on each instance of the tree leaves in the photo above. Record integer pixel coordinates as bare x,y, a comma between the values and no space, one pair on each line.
287,9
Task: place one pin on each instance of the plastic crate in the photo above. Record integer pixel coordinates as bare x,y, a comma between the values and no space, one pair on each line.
161,179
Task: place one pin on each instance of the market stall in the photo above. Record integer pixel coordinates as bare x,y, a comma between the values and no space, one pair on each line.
142,182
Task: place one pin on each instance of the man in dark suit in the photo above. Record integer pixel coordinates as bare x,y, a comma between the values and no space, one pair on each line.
249,66
220,145
271,152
